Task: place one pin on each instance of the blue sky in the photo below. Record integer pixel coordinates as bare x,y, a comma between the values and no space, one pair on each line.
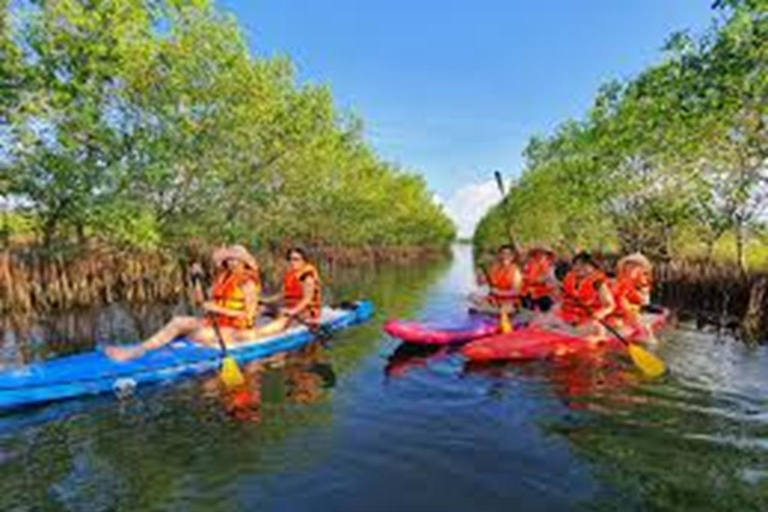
454,89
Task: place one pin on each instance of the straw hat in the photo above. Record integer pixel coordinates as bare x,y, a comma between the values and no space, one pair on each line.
635,259
234,252
542,249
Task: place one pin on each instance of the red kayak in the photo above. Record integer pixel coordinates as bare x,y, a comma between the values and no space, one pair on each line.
537,343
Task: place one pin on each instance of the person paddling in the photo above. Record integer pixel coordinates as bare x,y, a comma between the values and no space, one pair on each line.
233,310
540,286
504,281
301,296
631,292
586,301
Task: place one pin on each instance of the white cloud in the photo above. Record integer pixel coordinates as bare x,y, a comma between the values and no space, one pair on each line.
468,204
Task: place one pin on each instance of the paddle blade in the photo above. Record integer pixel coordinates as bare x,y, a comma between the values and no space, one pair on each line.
499,183
505,325
230,373
650,365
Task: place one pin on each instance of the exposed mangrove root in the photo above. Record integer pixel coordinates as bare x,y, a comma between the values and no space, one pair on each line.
32,281
716,294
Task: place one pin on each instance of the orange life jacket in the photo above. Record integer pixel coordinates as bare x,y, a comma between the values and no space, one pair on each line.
535,279
293,289
228,293
502,279
581,297
630,292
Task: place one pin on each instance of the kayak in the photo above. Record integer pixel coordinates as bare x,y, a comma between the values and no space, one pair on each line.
531,343
94,372
442,333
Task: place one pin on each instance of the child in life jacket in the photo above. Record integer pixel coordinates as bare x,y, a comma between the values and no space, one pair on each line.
504,280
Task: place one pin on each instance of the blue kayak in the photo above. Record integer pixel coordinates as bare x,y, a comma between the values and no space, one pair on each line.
93,372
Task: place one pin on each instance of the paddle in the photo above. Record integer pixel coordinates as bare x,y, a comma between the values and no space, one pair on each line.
230,373
500,185
505,325
650,364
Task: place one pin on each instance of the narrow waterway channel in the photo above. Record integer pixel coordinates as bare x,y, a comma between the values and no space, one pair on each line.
366,424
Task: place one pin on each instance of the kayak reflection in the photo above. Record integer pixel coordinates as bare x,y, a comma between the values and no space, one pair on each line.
408,356
580,382
302,377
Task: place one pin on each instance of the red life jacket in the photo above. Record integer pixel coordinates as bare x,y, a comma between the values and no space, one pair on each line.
228,293
293,289
502,279
581,297
630,292
536,282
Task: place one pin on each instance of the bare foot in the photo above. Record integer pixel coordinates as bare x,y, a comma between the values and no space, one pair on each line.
123,353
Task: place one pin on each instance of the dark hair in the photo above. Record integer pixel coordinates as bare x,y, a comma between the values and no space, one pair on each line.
297,250
585,258
505,247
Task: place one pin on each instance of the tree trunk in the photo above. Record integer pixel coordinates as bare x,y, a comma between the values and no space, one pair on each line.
709,253
755,318
740,247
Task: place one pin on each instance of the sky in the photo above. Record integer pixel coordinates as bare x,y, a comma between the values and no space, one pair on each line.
454,89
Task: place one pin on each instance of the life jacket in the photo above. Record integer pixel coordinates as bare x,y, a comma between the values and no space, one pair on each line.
536,283
581,297
293,289
502,282
630,292
228,293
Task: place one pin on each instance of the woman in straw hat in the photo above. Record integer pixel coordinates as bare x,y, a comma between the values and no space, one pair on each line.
233,309
631,292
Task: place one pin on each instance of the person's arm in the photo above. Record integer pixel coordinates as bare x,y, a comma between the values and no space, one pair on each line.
481,275
271,299
606,301
196,274
517,282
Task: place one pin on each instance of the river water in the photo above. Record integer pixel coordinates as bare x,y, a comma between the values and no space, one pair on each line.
364,424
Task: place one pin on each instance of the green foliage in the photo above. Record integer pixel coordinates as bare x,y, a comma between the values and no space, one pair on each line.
682,147
150,122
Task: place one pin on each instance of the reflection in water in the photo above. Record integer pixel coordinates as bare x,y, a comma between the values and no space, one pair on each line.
182,447
408,356
321,428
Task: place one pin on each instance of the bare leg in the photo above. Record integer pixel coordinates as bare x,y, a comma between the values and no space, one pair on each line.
552,322
593,332
178,326
273,327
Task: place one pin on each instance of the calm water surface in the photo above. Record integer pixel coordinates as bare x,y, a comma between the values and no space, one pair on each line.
364,424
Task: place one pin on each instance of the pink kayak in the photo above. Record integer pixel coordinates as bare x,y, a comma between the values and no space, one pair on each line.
537,343
437,333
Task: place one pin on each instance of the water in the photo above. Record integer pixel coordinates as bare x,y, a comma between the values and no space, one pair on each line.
367,425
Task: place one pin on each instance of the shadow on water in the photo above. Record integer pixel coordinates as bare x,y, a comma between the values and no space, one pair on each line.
370,424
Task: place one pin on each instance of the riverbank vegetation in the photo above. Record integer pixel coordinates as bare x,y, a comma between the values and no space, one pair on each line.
141,127
673,161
